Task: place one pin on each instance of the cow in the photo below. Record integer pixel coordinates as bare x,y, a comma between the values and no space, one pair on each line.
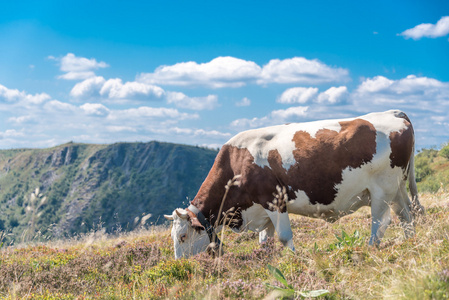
323,169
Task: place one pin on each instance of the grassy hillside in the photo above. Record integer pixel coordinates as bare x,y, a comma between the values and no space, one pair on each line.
140,265
73,188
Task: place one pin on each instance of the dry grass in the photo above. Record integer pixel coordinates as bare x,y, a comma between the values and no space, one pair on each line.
140,265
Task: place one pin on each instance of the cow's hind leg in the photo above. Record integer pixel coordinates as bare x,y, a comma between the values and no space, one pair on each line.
282,226
266,233
403,208
380,214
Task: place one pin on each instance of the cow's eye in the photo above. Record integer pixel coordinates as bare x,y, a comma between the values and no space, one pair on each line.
182,237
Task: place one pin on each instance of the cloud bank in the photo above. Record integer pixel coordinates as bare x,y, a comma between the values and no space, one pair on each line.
101,110
231,72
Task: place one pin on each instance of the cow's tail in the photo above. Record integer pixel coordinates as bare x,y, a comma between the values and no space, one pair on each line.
411,177
416,206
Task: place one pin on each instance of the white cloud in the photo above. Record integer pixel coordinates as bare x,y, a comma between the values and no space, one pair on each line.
211,133
301,70
150,112
274,118
11,133
88,88
234,72
95,109
118,128
115,89
58,106
409,86
424,99
78,68
244,102
197,132
195,103
244,123
14,95
297,95
218,73
72,63
292,112
376,84
77,75
333,95
21,119
192,133
413,93
441,28
304,95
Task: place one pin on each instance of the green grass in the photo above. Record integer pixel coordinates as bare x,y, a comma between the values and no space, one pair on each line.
141,265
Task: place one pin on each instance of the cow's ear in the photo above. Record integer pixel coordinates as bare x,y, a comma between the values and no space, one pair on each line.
196,224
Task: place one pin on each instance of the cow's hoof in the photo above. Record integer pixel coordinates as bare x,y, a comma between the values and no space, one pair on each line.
291,246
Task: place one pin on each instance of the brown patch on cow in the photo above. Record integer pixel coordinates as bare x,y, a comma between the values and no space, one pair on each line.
275,162
282,176
229,162
321,160
402,145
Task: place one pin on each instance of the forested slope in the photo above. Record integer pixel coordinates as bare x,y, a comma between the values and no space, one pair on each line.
73,188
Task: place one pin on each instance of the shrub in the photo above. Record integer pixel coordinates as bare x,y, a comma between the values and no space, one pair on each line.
444,152
13,222
170,271
422,163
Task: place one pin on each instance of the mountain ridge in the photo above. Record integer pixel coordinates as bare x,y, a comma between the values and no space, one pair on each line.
77,187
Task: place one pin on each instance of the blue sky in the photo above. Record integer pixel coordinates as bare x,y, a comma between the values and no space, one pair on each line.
198,72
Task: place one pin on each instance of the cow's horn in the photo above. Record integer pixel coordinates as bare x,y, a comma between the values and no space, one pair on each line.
169,217
182,215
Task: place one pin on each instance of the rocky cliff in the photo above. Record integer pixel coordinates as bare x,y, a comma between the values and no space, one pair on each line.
74,188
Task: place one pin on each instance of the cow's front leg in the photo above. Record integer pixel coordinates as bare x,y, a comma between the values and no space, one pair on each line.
266,233
282,226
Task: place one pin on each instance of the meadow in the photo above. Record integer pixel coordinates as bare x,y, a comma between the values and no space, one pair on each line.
333,257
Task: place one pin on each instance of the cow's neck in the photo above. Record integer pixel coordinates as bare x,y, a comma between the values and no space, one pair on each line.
208,205
211,192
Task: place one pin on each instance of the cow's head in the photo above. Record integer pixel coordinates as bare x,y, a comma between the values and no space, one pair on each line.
189,236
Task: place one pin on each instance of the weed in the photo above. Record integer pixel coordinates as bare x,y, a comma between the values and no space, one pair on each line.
288,291
347,241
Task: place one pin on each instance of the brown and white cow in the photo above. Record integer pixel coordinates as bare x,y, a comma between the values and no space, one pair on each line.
327,169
